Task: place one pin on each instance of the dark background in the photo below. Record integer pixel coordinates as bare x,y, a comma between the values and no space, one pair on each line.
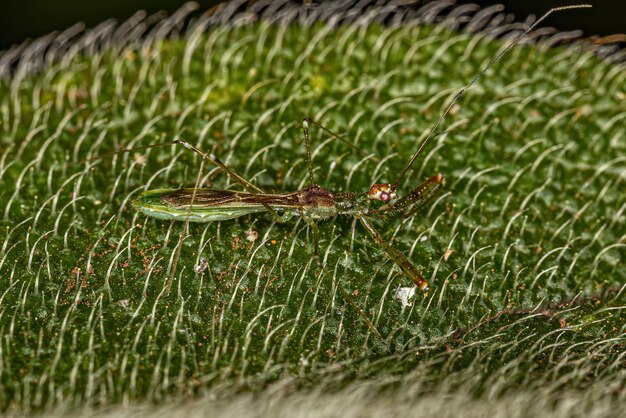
24,19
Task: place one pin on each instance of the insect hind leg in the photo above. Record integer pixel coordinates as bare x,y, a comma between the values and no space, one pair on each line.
247,185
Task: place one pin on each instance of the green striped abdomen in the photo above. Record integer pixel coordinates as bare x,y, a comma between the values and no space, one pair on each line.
208,205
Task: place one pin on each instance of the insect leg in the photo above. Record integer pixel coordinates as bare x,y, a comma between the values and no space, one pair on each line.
309,158
401,261
343,292
359,151
345,295
249,187
316,246
351,302
331,133
254,190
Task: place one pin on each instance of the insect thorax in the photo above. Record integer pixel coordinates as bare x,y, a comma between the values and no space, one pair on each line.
316,197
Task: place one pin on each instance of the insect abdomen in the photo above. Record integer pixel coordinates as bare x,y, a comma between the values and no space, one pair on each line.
154,203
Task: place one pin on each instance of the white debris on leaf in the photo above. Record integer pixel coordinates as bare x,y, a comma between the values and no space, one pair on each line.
201,266
124,303
252,235
139,158
403,294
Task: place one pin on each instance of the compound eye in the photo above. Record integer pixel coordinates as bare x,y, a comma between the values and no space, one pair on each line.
384,196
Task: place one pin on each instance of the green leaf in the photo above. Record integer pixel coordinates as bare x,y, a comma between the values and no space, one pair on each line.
524,249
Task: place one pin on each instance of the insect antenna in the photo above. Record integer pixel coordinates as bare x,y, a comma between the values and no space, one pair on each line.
432,131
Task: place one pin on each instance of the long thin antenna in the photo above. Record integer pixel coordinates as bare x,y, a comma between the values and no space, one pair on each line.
424,142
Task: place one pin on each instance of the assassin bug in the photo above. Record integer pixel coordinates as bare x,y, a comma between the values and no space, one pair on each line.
313,203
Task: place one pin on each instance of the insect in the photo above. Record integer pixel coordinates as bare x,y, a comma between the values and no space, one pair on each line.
313,203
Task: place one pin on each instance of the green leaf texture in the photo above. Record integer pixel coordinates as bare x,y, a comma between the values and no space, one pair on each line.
524,249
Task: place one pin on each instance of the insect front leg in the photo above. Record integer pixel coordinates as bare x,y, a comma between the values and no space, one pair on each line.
401,261
416,200
420,197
